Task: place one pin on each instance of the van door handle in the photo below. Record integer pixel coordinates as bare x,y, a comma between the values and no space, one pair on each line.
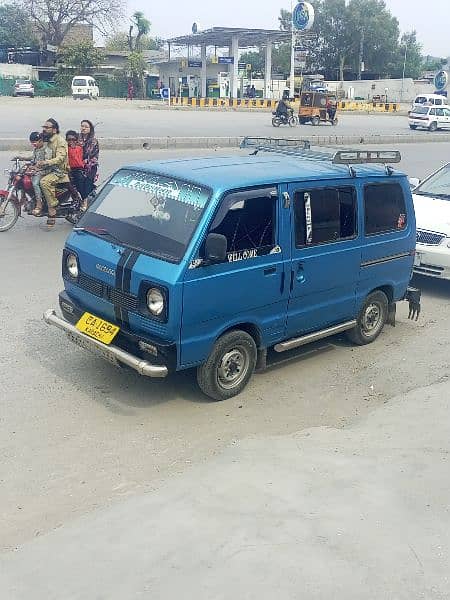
270,271
300,273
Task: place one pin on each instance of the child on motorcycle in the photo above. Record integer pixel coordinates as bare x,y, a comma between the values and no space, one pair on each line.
40,152
76,162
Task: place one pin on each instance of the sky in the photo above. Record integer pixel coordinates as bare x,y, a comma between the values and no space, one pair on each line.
176,17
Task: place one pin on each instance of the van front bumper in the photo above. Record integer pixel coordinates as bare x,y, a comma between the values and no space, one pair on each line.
111,353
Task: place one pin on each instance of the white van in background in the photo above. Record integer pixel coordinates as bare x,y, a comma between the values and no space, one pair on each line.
84,86
430,100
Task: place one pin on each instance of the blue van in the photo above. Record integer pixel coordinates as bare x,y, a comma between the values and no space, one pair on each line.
209,262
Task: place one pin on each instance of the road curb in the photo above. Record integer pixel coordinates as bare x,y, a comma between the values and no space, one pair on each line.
165,143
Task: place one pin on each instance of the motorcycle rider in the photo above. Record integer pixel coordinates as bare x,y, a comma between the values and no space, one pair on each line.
59,164
283,108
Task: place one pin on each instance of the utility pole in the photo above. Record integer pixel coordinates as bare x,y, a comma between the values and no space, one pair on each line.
292,73
403,72
360,55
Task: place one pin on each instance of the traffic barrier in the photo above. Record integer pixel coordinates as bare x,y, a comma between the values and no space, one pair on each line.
343,105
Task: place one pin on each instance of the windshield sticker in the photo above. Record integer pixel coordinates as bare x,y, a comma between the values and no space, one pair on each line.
161,189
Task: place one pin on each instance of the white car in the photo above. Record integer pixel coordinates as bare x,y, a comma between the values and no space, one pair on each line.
429,117
432,207
23,87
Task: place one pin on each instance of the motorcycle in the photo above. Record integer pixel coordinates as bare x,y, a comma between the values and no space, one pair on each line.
282,119
19,197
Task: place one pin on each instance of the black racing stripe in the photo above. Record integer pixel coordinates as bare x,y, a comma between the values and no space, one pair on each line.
119,278
126,281
128,270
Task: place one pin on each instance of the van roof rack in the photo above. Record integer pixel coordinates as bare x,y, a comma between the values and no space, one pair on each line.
302,148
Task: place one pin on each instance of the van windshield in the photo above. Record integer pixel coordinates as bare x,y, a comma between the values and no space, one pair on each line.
79,81
151,212
421,110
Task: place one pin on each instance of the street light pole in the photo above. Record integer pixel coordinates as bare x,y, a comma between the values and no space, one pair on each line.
403,73
292,73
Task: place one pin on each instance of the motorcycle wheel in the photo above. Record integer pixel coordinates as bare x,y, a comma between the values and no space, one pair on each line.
276,122
292,121
315,121
9,213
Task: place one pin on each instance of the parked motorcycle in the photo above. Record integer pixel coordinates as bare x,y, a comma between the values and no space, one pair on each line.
289,119
19,197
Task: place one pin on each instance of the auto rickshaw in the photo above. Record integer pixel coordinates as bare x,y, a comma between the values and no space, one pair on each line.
317,107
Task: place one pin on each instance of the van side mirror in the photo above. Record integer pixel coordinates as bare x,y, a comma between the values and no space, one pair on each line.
413,182
215,247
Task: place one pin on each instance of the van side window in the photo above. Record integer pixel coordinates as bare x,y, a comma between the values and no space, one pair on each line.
384,207
324,215
248,221
439,112
432,111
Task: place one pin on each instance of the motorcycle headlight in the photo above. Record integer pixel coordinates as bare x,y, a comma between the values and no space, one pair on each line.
72,265
155,301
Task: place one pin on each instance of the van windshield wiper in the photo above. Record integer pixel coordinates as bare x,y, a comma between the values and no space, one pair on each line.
102,231
99,231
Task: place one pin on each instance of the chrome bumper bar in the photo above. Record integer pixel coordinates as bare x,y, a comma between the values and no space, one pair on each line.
110,353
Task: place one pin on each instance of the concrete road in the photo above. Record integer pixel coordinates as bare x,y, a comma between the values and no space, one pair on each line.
117,118
338,498
353,513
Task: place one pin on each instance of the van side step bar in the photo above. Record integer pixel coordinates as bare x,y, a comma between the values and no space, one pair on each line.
313,337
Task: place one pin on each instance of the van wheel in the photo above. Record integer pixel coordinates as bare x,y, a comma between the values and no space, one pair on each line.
371,319
433,126
229,367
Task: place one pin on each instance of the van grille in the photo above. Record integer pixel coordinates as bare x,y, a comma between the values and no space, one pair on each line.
102,290
429,237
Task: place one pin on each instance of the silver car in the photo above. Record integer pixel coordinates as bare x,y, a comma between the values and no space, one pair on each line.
23,87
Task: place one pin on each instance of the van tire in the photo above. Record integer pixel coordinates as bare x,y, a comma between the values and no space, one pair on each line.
217,377
371,319
433,126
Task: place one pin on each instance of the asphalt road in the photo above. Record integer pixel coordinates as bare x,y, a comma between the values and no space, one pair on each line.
77,435
118,118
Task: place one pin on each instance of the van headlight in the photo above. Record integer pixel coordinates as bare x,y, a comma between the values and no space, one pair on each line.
72,265
155,301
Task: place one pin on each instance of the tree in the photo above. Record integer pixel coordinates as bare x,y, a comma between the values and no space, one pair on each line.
55,18
77,59
409,60
15,27
136,67
349,33
256,59
82,57
142,27
119,41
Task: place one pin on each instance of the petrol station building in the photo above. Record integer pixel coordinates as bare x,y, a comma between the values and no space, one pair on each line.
213,74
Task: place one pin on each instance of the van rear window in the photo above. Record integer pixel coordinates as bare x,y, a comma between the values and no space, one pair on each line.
80,82
384,208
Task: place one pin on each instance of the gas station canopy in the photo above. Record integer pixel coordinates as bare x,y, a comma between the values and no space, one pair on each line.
234,38
223,36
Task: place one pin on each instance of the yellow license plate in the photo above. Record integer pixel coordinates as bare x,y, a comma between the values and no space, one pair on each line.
97,328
